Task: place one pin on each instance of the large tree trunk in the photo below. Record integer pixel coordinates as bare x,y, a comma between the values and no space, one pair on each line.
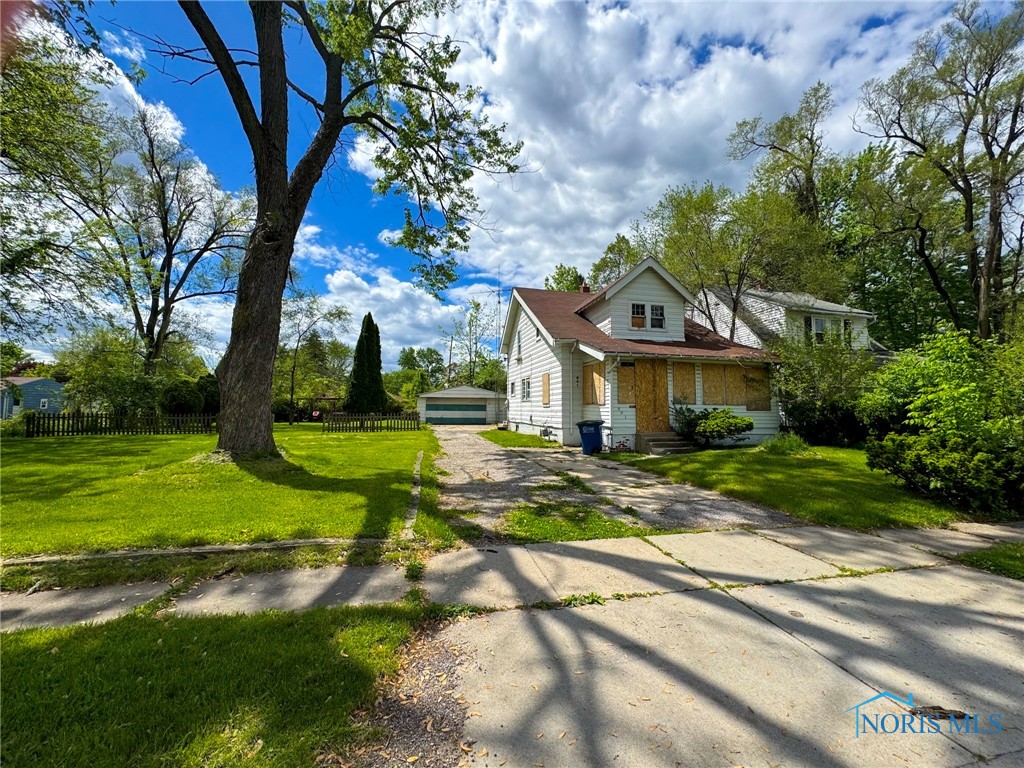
246,372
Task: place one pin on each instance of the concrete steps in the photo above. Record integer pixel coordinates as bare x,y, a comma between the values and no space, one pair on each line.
662,443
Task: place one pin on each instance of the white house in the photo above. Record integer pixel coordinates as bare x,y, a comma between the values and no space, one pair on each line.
625,355
765,315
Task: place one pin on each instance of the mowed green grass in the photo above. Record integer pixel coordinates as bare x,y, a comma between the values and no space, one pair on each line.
98,493
828,486
508,439
1006,559
273,689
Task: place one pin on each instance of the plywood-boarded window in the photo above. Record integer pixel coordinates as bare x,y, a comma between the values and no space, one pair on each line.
713,379
627,384
545,389
759,391
735,386
593,384
684,383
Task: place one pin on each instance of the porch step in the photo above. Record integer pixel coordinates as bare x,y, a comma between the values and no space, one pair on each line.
662,443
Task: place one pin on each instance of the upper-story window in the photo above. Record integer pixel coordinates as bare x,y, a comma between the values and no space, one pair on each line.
639,316
658,316
519,344
818,328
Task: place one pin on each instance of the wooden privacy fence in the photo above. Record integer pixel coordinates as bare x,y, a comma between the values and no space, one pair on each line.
371,422
64,424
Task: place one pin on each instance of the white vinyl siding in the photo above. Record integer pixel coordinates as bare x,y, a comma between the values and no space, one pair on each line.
526,412
647,288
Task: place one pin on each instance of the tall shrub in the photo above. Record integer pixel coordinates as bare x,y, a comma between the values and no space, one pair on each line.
949,422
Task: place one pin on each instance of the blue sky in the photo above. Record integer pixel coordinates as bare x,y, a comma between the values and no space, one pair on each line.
614,102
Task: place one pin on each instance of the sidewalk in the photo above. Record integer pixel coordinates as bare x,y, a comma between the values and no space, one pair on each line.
508,576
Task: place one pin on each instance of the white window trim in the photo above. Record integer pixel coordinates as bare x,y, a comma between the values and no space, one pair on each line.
44,403
662,318
526,389
633,316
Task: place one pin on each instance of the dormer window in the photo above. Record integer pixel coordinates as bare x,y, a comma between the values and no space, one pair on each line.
639,316
658,316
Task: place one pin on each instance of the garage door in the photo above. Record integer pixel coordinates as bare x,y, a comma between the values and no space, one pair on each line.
456,413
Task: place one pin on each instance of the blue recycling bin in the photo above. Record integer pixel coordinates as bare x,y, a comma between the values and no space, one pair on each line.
590,436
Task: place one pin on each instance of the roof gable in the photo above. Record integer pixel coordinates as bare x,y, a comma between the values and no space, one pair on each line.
619,283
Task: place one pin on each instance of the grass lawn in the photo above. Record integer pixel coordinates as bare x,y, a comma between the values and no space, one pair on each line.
1004,559
98,492
508,439
273,689
556,521
829,486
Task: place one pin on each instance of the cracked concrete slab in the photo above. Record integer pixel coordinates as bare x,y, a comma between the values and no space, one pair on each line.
610,566
487,480
943,541
690,678
59,607
850,549
999,532
295,590
488,576
952,636
741,557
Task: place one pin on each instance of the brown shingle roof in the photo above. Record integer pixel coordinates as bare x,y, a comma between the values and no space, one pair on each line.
557,312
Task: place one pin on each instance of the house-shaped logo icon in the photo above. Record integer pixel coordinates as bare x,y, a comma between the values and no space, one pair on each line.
907,702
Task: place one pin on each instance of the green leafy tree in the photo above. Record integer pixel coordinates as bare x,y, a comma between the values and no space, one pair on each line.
11,355
105,370
305,317
710,237
956,109
564,278
819,385
432,362
619,257
382,79
407,359
366,392
52,128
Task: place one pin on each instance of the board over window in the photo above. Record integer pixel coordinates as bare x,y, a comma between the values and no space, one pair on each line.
684,383
736,385
639,316
593,384
545,389
627,384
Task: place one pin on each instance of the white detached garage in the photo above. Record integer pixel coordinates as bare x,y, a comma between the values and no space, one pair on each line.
461,405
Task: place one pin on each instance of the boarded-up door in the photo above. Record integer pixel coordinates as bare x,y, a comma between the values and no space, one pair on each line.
651,396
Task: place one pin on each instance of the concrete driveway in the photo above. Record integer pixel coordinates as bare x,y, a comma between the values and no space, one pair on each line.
485,481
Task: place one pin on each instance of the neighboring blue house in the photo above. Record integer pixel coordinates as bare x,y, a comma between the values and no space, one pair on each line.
31,392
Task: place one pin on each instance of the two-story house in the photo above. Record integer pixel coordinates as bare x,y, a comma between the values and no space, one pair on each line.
761,316
625,355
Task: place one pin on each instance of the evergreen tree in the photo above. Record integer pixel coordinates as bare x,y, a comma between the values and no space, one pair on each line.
366,388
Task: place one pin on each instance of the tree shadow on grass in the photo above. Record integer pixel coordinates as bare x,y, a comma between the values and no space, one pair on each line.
196,690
